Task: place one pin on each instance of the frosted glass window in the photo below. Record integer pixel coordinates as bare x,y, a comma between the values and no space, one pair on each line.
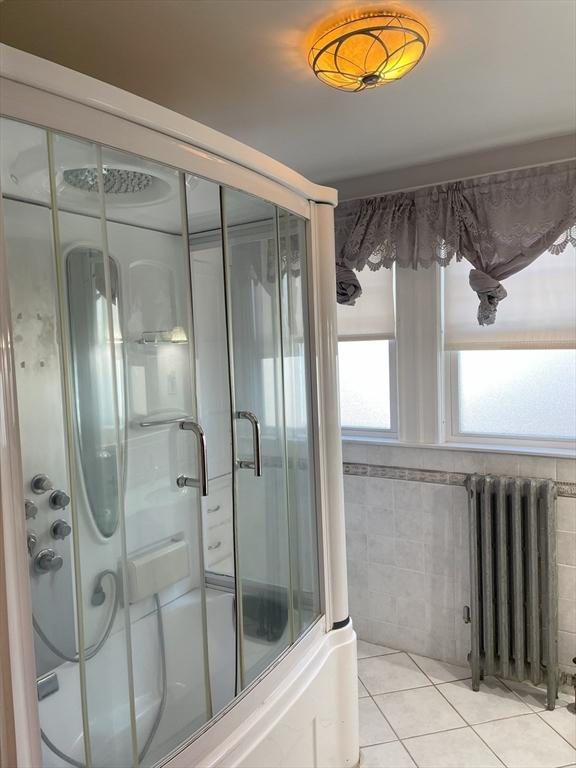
364,370
525,393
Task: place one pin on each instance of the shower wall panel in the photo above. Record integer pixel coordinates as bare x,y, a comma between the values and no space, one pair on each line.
155,455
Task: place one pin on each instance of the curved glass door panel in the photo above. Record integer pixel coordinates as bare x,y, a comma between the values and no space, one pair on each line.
212,368
147,238
263,563
298,415
91,300
215,414
32,283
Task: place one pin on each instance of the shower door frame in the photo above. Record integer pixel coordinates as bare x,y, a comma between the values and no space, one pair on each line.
53,97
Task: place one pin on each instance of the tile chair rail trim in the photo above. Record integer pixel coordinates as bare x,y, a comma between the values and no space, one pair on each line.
565,489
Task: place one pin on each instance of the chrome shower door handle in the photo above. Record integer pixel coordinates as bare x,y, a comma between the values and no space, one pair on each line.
189,482
256,464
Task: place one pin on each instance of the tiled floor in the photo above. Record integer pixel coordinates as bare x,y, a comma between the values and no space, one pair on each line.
420,712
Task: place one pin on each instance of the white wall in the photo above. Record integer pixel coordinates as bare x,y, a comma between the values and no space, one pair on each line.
407,541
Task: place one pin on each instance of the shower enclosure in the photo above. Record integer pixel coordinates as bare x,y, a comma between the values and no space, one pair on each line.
168,357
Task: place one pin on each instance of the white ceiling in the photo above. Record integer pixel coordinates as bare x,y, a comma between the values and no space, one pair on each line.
496,72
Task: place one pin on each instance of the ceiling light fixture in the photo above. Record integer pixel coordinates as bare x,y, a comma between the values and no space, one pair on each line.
367,48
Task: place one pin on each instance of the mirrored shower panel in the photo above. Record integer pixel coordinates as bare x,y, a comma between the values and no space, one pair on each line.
161,345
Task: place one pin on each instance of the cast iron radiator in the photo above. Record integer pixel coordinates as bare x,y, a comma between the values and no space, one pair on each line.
513,580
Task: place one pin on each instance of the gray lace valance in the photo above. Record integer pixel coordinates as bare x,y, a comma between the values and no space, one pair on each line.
499,223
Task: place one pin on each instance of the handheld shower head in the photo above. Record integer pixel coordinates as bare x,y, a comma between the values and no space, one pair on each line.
98,593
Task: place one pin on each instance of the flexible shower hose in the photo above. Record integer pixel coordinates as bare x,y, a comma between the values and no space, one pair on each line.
93,652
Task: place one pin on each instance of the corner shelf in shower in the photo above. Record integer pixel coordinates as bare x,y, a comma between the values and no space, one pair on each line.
176,335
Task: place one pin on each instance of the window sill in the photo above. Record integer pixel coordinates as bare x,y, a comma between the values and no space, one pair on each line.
504,448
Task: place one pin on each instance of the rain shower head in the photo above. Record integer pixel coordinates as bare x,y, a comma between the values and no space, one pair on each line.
117,181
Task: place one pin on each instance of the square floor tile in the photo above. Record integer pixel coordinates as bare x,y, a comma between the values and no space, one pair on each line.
392,755
526,742
367,650
440,671
393,672
374,728
362,692
533,696
491,702
563,720
417,712
451,749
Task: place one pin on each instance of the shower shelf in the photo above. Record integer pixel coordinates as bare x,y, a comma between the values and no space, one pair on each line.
162,422
174,336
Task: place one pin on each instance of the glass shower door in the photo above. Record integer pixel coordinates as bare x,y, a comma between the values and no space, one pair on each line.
304,568
166,466
261,513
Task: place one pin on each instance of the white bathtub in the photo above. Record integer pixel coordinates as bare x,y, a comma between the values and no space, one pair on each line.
304,712
107,685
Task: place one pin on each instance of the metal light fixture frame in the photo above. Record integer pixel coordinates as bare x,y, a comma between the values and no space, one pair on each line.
351,76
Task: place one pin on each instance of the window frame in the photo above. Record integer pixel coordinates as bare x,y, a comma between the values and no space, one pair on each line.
424,379
452,418
372,432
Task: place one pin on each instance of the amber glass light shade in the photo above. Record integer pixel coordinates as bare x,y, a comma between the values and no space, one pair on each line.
367,49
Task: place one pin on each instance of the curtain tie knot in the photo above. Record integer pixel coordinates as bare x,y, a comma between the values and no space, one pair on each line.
348,287
490,292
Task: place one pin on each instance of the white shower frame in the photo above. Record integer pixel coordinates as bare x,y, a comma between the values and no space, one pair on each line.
314,681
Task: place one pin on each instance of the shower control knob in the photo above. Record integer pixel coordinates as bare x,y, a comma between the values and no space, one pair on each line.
41,484
59,500
60,529
30,508
47,561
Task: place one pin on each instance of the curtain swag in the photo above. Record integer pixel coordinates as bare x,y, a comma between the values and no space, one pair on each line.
499,223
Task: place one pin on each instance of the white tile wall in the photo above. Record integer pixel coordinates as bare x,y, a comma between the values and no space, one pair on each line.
408,568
